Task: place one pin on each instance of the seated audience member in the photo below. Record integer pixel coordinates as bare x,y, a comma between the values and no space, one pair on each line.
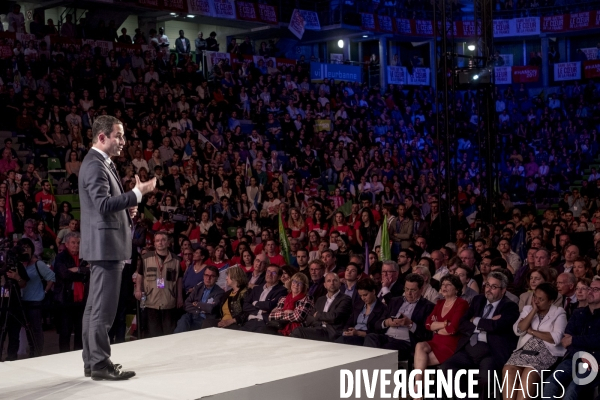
292,310
428,291
349,287
403,325
465,274
316,288
390,283
330,314
203,301
566,284
443,322
540,328
231,307
365,314
583,287
581,334
257,276
486,336
261,300
535,279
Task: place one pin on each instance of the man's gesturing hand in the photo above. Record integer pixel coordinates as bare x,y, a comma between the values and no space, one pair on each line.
145,187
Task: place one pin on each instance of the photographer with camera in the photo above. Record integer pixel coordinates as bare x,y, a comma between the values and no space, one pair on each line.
13,277
41,281
70,293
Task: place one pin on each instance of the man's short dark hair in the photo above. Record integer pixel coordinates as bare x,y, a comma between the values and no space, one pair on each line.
104,124
415,278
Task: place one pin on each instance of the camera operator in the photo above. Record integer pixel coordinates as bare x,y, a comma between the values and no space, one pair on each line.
70,293
34,293
14,278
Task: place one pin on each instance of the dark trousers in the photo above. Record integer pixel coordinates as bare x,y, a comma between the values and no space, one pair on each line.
313,333
160,322
100,311
189,322
254,325
381,341
69,320
14,322
35,333
351,340
475,357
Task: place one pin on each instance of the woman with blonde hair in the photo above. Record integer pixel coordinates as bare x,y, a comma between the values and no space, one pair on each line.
296,224
231,310
291,311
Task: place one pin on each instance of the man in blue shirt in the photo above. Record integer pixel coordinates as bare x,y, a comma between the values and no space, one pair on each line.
203,302
33,295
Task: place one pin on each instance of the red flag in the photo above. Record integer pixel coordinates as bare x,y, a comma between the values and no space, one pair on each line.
9,222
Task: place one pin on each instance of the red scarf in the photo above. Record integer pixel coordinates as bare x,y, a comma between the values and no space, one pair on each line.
78,288
290,304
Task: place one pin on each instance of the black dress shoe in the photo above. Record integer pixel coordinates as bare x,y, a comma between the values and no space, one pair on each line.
112,372
87,372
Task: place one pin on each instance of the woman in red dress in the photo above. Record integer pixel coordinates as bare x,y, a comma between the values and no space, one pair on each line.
443,321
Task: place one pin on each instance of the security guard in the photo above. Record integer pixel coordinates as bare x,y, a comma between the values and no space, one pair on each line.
160,277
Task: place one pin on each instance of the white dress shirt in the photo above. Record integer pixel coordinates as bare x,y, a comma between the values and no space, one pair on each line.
482,337
108,161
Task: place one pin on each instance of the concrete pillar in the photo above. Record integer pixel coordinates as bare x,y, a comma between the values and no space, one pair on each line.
360,52
346,49
383,61
545,64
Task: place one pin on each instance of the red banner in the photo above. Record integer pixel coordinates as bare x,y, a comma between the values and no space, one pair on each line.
267,14
130,48
246,11
369,22
174,5
403,26
591,69
423,27
286,62
148,3
385,24
525,74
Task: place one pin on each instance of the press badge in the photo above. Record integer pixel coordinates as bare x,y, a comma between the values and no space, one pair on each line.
160,283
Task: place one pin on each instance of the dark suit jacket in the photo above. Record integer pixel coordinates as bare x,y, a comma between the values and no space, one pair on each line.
419,316
500,336
356,300
211,309
63,287
260,281
320,291
169,182
278,291
105,221
397,290
335,318
377,313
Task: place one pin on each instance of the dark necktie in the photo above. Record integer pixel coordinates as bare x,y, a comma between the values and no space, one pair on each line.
486,312
567,303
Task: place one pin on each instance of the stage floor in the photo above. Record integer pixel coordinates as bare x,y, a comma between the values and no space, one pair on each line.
211,363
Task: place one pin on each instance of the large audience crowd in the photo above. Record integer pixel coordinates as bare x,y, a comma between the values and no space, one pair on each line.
240,147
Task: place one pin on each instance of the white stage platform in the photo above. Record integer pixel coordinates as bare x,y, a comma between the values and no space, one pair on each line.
214,364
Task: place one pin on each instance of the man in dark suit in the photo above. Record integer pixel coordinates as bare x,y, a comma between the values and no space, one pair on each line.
350,287
202,302
70,291
390,285
331,313
487,337
262,299
182,45
106,212
566,283
316,287
403,326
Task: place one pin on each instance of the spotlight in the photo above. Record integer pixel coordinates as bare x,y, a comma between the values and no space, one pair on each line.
173,14
365,35
471,47
191,16
341,44
475,77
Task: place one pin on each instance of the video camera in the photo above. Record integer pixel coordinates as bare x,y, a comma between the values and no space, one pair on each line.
12,257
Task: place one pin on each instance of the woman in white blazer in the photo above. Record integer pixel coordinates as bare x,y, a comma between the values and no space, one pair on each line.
540,328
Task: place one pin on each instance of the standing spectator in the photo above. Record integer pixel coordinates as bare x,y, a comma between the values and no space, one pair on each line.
160,277
182,45
211,42
70,292
125,38
68,28
200,44
16,20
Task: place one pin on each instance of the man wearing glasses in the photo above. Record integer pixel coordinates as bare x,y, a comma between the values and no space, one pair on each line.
403,325
204,300
390,272
263,299
487,337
